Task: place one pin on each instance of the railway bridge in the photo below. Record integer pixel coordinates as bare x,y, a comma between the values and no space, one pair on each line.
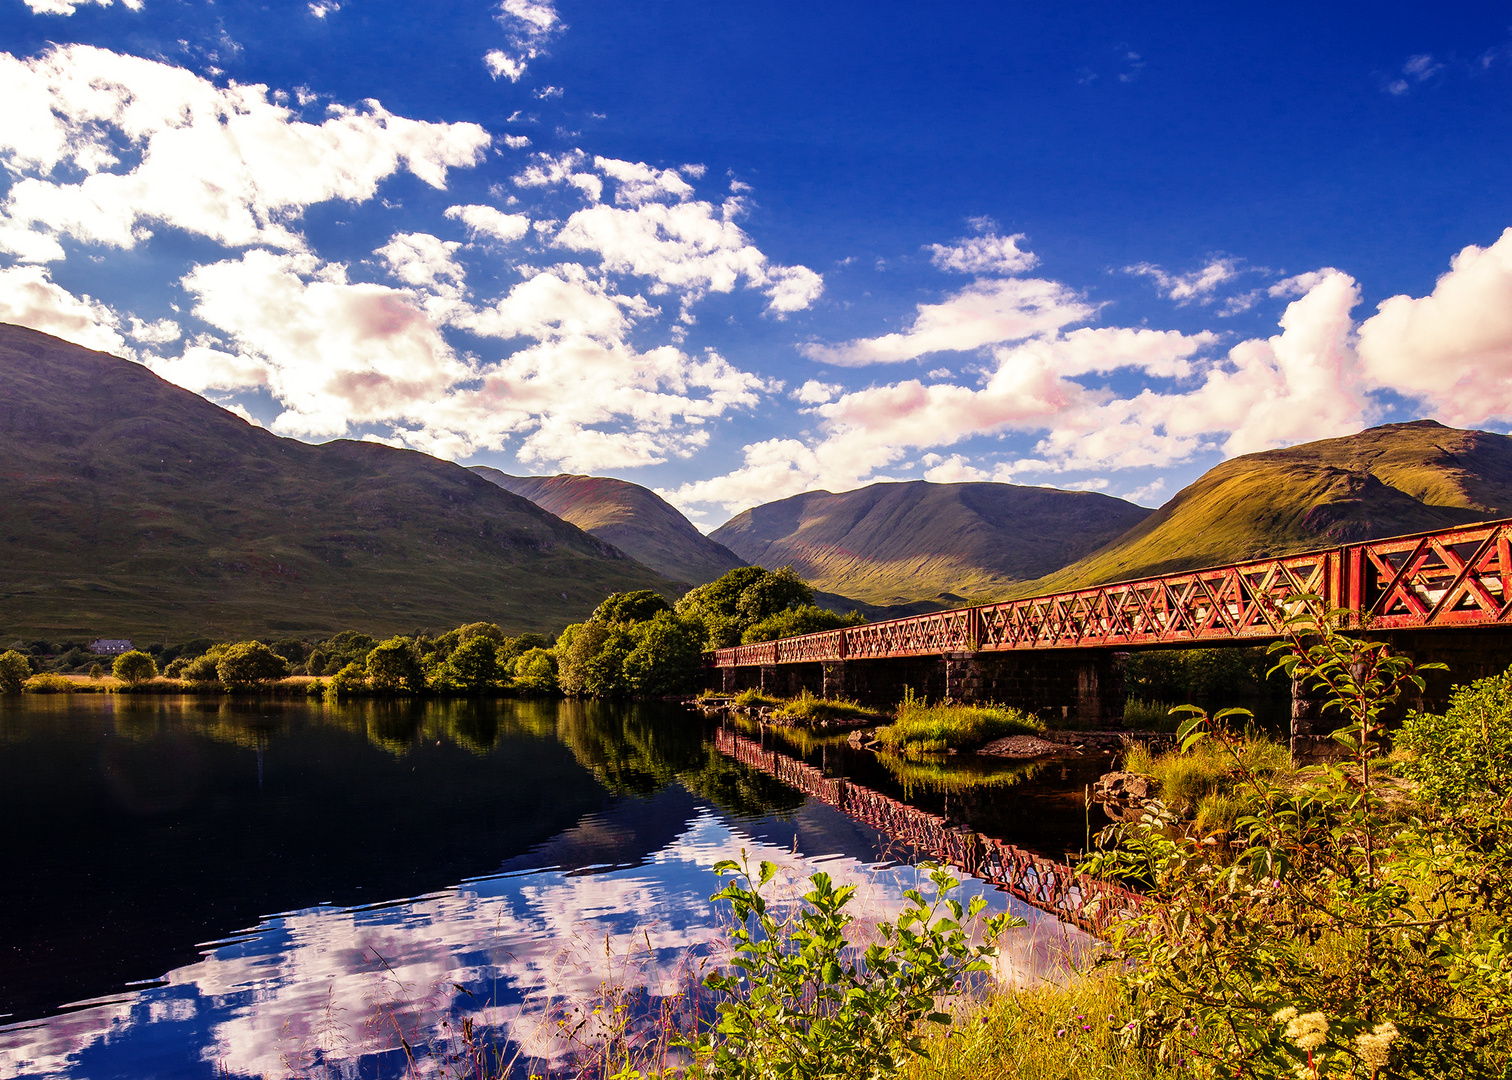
1442,596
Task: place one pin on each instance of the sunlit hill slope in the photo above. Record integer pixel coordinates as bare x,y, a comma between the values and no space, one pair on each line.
131,507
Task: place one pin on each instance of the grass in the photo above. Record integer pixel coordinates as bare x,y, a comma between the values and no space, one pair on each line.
1203,784
1048,1032
1149,715
754,698
922,728
808,710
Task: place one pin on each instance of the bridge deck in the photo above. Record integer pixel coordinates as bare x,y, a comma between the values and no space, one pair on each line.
1088,902
1459,577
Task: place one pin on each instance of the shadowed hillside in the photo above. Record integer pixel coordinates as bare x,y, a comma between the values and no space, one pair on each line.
1399,478
949,543
634,519
131,507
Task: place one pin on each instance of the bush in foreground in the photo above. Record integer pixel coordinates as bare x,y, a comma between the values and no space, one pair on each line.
922,728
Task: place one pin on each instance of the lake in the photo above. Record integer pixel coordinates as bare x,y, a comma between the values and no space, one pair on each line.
238,887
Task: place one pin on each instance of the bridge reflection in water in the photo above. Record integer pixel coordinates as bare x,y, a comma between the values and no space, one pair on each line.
1087,902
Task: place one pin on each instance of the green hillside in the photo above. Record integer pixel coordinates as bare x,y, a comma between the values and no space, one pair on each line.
634,519
1399,478
897,543
132,508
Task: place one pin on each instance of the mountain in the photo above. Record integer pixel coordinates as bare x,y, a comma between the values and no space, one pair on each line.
130,507
896,543
634,519
1398,478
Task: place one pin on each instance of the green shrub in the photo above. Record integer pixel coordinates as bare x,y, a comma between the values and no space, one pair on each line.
754,698
392,664
474,664
803,1003
921,728
1336,936
535,671
200,670
15,669
134,667
248,663
1463,756
48,682
349,679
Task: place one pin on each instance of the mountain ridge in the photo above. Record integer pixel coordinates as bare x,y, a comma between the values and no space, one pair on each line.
633,518
132,507
1389,480
907,542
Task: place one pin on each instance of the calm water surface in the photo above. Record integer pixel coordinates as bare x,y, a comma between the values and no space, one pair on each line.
202,887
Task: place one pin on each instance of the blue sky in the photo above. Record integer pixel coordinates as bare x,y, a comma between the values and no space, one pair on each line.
734,252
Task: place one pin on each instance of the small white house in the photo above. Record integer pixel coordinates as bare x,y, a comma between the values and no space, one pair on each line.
110,646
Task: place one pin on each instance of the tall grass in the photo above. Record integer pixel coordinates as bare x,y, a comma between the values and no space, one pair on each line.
1144,715
806,708
922,728
1205,783
1085,1028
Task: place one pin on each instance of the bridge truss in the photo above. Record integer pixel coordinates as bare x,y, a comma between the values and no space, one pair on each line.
1459,577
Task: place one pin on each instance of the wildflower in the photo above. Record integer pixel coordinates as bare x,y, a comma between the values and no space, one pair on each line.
1308,1031
1374,1047
1283,1015
1061,1034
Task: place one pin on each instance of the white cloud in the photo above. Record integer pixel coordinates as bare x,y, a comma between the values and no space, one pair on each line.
1452,349
528,26
986,254
161,332
1184,288
517,142
984,313
688,245
422,260
815,392
68,7
29,297
158,145
320,10
1297,385
489,221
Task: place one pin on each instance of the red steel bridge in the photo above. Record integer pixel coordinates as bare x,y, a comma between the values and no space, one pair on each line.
1459,578
1453,579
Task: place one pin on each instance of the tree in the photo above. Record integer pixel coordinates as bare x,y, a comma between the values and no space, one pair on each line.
14,671
667,658
392,664
134,667
250,662
730,604
576,645
480,629
474,664
641,605
807,619
535,671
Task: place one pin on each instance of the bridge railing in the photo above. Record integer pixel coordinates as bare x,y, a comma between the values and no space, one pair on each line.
1451,577
1084,901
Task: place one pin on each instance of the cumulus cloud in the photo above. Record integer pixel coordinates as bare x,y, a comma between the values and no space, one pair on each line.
490,221
815,392
1184,288
528,26
1300,384
985,254
157,145
68,7
1452,349
656,230
984,313
29,297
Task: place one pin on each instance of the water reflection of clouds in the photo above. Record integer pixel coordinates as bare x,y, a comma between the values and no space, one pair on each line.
306,987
